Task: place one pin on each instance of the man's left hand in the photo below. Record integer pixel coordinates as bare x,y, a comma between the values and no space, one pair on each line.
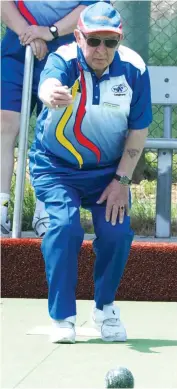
34,32
117,196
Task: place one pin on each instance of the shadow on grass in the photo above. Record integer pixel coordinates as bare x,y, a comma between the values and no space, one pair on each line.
140,345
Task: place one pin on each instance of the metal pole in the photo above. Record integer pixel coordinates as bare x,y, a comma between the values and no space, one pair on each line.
23,142
164,182
167,121
161,143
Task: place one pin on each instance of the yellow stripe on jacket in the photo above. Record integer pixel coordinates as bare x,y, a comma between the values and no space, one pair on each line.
61,126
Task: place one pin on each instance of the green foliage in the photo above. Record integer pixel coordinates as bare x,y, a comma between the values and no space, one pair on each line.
3,30
28,205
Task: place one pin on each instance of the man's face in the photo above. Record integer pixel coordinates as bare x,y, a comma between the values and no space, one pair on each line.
99,57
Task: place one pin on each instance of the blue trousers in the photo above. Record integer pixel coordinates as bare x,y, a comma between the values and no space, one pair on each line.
64,192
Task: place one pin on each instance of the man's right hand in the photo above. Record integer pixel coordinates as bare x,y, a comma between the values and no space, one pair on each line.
54,95
39,48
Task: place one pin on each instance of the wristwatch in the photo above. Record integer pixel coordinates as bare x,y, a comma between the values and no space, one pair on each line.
124,180
54,31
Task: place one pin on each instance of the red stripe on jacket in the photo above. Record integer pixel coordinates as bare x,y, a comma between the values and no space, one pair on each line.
81,138
25,12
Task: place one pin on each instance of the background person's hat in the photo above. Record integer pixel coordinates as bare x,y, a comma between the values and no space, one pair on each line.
100,17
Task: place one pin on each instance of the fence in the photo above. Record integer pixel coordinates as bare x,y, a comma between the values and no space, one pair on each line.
150,28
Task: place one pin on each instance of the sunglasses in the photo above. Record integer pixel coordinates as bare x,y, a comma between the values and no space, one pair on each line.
95,42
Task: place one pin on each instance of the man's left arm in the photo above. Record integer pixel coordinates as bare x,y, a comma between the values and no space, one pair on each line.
139,119
116,194
132,151
65,26
69,22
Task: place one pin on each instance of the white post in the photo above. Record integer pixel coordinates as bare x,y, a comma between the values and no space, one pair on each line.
23,142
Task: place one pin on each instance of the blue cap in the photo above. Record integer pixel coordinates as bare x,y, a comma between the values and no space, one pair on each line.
99,17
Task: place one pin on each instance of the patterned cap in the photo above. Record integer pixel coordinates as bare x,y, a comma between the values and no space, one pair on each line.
100,16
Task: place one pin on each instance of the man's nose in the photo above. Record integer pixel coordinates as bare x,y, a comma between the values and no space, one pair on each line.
101,47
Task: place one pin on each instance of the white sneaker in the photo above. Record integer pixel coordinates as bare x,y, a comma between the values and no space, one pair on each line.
5,227
40,223
109,324
63,331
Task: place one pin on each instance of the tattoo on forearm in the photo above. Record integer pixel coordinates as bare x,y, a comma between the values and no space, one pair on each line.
133,152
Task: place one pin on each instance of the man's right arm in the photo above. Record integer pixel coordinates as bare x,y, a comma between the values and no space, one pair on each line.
12,17
56,81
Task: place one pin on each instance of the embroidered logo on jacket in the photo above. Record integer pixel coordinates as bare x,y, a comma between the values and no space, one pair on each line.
119,90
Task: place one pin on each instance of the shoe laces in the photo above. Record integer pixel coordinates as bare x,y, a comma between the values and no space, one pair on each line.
113,321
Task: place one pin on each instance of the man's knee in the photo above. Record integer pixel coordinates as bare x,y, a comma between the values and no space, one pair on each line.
10,122
63,232
63,224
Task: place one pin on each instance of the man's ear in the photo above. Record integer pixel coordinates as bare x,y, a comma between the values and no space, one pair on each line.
77,36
